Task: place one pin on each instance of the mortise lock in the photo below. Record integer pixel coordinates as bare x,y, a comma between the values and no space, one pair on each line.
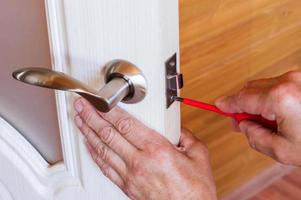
124,82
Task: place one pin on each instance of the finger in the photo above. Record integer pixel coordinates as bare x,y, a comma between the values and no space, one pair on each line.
186,139
105,131
103,152
268,143
265,83
291,76
235,126
191,147
248,100
88,114
130,128
105,168
228,104
260,138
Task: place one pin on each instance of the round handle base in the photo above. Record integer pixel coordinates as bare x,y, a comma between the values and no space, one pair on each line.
132,75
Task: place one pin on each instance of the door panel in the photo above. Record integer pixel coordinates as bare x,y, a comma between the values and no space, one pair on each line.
87,35
223,45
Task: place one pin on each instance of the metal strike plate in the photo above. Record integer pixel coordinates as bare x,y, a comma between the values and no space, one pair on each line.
174,80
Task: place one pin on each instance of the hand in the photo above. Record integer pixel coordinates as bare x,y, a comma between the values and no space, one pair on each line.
275,99
141,162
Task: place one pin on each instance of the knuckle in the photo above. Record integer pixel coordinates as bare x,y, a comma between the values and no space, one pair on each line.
285,93
125,125
250,83
160,152
241,95
124,188
104,115
87,115
86,131
99,161
283,88
281,155
104,154
268,114
241,98
135,163
203,149
101,151
293,75
128,189
106,134
98,147
138,171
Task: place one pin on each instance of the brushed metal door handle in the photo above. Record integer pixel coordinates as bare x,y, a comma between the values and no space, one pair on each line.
124,82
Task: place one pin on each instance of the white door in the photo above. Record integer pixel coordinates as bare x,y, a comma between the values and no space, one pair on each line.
84,35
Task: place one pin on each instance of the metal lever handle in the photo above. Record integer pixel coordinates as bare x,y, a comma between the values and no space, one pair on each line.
124,82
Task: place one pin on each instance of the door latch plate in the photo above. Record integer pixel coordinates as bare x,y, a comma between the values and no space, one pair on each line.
174,80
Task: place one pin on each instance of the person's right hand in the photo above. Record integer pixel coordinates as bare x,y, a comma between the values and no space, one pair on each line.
278,99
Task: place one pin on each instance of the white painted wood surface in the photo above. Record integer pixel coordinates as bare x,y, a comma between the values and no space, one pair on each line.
84,35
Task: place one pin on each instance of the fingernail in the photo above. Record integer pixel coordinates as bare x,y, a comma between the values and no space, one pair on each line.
272,117
79,106
78,121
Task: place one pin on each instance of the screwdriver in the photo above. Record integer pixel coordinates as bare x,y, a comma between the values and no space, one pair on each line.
238,117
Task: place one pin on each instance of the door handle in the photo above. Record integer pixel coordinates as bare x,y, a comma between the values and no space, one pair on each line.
124,82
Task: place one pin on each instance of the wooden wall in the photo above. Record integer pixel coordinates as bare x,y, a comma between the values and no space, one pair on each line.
225,43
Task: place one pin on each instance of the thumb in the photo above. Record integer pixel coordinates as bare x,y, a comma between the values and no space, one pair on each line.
187,139
260,138
192,147
227,104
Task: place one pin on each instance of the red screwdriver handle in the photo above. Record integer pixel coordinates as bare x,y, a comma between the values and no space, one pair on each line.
239,117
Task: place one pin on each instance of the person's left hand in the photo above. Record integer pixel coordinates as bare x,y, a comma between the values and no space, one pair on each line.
141,162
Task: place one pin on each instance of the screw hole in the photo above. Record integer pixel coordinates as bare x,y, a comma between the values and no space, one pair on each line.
172,63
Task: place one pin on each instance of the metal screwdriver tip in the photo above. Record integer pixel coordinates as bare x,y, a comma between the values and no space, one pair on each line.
176,98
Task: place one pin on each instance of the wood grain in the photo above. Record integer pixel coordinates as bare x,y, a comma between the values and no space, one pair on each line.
225,43
262,180
286,188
